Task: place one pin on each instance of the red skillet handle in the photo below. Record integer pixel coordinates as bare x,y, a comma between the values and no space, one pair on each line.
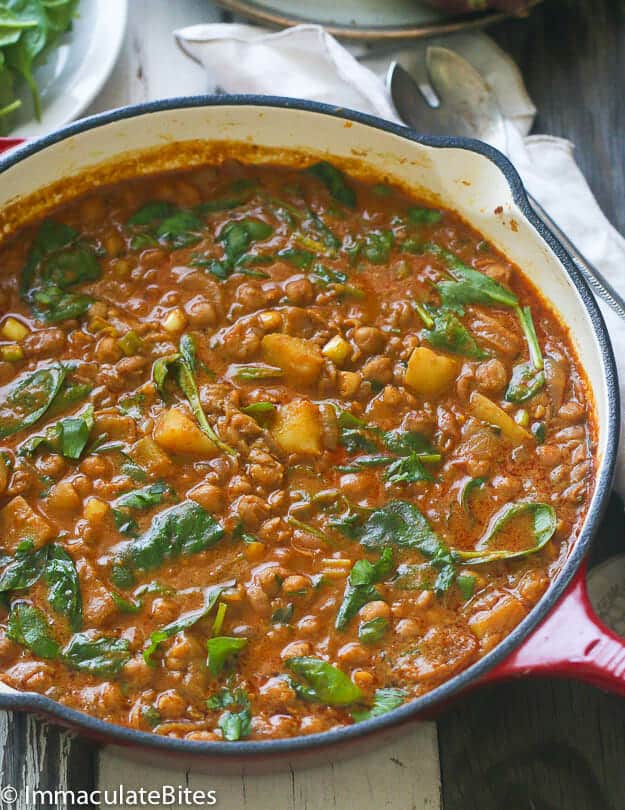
9,143
570,643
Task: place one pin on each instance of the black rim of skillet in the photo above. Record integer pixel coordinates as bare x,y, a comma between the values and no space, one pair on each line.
427,704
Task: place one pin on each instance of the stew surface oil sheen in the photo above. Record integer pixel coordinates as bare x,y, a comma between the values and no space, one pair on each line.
279,451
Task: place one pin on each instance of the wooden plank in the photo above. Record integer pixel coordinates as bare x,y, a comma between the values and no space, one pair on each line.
401,775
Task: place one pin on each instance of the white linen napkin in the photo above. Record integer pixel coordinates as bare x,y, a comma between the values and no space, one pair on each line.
306,62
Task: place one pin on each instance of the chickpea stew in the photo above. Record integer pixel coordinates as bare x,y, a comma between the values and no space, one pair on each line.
280,450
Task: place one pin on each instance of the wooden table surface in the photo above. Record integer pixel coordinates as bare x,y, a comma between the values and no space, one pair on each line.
530,745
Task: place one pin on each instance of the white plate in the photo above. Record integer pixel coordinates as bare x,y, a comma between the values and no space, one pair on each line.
76,70
364,19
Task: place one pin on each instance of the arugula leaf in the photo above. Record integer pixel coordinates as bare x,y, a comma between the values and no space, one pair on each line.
373,631
25,568
335,181
221,649
323,683
450,335
183,529
96,655
360,586
64,587
544,524
28,626
234,725
26,399
186,621
384,700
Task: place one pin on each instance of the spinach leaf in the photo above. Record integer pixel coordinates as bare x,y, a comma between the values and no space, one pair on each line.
221,649
401,524
409,442
544,523
360,586
450,335
28,626
323,683
259,410
466,584
283,615
525,383
465,493
373,631
185,622
377,246
326,275
335,181
96,655
384,700
64,587
236,722
299,258
407,470
68,437
238,235
25,568
138,500
183,366
418,215
161,221
26,399
58,260
132,405
182,529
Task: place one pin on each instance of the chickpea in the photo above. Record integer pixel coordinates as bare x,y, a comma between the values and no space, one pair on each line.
408,628
251,509
283,725
295,584
353,654
379,370
355,485
82,485
300,291
107,350
491,376
296,649
369,339
572,412
202,736
200,312
95,467
208,496
375,610
549,455
277,691
163,610
171,705
309,625
363,678
51,464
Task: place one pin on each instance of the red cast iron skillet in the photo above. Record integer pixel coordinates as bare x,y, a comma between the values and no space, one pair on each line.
561,636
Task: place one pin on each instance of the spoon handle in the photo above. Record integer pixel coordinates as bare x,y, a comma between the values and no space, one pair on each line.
599,284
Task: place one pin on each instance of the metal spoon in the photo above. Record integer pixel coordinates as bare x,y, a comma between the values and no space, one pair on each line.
459,102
